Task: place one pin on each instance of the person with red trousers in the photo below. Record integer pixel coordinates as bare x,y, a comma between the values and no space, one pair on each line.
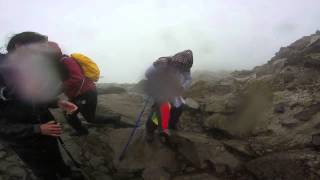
167,78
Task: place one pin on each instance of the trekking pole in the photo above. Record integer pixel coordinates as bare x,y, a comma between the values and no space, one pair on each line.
75,162
122,155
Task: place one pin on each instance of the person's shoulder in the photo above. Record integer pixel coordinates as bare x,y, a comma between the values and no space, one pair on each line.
67,60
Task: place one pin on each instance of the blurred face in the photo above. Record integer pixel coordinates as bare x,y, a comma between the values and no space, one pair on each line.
32,73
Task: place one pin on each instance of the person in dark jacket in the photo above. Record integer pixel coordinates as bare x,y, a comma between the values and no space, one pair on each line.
167,78
80,90
28,127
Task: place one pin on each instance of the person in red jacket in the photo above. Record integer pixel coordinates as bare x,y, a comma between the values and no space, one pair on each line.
80,90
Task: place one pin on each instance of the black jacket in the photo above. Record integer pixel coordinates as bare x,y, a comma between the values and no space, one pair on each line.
20,122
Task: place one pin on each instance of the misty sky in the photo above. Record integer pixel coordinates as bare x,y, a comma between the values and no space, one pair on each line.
125,36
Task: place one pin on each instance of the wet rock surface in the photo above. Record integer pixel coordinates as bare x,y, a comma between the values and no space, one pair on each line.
246,125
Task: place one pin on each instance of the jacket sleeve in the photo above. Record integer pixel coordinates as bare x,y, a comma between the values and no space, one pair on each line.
187,80
76,77
150,72
17,131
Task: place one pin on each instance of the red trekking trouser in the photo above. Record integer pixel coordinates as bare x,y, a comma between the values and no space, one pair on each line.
165,115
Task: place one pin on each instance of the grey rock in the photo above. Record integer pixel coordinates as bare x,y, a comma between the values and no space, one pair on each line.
4,165
96,161
156,174
279,108
110,90
192,104
102,176
17,171
316,139
200,176
215,107
307,114
289,122
288,165
216,121
2,154
12,158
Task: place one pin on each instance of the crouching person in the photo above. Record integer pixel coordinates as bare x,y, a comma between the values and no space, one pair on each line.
26,123
167,78
80,88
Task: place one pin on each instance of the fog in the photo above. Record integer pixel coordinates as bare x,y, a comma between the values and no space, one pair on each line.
125,37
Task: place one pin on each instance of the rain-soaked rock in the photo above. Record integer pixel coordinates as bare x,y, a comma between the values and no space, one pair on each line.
126,105
156,174
17,171
290,122
184,149
200,150
200,176
140,154
110,90
285,165
279,108
307,114
192,104
215,107
240,147
218,121
316,140
2,154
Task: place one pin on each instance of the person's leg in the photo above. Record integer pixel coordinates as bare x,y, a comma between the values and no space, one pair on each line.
35,159
76,124
74,121
55,158
165,117
89,106
59,165
175,116
150,125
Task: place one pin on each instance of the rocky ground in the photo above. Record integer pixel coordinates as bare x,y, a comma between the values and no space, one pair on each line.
254,124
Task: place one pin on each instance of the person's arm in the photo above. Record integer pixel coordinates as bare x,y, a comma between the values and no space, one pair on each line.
187,80
17,131
151,71
21,131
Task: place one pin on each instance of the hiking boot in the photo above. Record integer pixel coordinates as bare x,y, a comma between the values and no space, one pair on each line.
166,132
164,137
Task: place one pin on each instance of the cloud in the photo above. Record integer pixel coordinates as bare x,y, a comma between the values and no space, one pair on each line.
124,37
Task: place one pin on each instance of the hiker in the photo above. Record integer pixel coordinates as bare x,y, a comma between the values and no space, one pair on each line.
27,126
80,89
167,78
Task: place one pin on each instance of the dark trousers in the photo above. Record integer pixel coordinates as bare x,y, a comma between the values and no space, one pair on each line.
43,157
175,114
87,104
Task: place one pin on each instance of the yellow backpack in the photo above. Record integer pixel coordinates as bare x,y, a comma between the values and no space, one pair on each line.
89,67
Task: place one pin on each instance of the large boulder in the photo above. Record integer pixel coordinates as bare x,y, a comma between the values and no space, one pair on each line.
185,150
295,165
217,121
105,88
126,105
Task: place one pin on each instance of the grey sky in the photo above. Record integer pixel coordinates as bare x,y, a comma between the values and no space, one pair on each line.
125,36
